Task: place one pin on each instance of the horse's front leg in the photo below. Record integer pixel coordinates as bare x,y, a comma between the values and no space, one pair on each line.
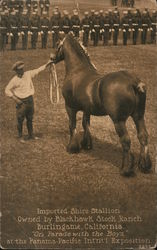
73,146
86,143
128,158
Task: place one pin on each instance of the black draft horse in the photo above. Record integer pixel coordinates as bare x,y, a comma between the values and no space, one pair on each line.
118,94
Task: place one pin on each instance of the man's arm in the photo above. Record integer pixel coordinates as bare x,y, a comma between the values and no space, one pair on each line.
35,72
9,92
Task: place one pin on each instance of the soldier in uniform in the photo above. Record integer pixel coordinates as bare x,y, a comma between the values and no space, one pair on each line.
125,27
115,27
55,23
65,22
101,18
14,29
75,23
4,27
96,29
28,6
145,25
34,26
47,5
85,25
21,6
34,5
41,5
135,26
44,26
107,26
111,22
24,27
56,9
91,18
153,26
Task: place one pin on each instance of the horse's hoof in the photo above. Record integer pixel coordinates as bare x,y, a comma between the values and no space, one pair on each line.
145,164
127,169
73,148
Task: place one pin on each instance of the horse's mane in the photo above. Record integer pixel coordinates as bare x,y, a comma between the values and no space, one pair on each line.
78,45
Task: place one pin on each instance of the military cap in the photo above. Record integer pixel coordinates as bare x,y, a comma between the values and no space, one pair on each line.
101,11
125,12
86,13
18,65
96,13
92,11
106,12
109,10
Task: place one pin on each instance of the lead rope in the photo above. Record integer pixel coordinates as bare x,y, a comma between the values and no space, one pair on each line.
53,83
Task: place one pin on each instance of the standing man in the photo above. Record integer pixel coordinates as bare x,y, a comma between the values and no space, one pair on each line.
107,27
153,26
85,24
135,26
14,28
96,28
125,27
75,23
55,28
145,25
21,90
116,24
4,27
44,25
24,27
65,22
35,26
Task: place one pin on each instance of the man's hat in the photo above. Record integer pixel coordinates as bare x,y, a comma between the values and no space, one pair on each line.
101,11
18,65
92,11
86,13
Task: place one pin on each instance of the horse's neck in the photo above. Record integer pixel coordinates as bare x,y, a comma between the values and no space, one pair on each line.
75,60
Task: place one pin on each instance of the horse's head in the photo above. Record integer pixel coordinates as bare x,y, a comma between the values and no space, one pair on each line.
59,52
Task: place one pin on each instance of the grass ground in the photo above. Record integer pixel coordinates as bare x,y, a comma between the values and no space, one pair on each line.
41,174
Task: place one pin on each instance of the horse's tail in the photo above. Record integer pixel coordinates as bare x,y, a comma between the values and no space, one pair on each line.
140,92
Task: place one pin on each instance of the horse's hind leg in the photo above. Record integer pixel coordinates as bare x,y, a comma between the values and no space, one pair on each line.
128,159
73,146
144,163
86,143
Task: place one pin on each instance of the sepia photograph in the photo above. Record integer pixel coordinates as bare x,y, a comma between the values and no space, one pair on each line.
78,86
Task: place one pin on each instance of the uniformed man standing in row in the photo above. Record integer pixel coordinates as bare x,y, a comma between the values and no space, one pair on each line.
47,5
107,28
4,29
44,27
95,26
55,23
65,22
153,26
125,27
145,25
135,26
14,29
35,28
91,18
85,25
115,27
24,28
75,23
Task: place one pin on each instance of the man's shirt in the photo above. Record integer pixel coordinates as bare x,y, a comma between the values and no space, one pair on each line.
23,87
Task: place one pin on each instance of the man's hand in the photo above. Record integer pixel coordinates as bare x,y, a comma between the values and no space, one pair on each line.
48,63
17,100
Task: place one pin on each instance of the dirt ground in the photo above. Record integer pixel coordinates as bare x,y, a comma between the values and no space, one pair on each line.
41,174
